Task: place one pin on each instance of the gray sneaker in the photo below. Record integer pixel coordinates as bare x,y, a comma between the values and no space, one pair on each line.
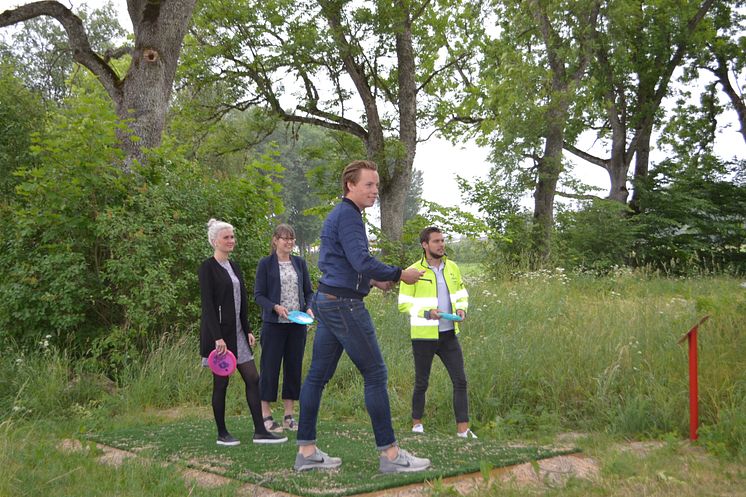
404,463
317,460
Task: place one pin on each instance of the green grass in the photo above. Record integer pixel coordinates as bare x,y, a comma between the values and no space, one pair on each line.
545,352
192,443
33,465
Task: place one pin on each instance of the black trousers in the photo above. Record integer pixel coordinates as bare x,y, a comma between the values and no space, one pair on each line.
283,345
448,348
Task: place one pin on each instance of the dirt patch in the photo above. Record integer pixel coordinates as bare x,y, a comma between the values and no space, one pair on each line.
552,472
113,457
204,479
69,445
109,456
640,448
249,490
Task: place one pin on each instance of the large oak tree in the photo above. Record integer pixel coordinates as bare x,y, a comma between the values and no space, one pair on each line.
355,67
638,46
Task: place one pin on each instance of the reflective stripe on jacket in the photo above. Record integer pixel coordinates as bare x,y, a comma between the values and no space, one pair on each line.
421,297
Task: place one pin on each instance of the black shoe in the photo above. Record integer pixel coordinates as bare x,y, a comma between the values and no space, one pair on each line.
269,438
228,440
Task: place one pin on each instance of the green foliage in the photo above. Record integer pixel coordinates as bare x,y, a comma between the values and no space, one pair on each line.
43,46
105,262
49,282
599,237
544,351
21,114
727,435
469,250
451,220
693,217
48,384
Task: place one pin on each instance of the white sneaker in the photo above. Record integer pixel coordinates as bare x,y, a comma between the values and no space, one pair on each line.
418,428
466,434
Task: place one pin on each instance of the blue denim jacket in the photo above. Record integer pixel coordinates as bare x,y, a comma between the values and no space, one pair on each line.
344,256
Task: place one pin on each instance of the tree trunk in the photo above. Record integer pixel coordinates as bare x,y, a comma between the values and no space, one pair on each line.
393,193
549,169
160,27
642,164
546,186
721,73
550,164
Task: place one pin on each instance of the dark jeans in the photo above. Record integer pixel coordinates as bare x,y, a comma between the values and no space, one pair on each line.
344,325
282,344
447,347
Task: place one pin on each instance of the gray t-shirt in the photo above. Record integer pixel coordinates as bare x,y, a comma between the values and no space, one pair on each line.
244,352
444,298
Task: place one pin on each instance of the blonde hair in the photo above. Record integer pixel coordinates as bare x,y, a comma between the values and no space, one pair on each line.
214,227
351,173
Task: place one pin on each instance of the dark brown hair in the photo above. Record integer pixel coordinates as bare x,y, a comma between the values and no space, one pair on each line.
425,234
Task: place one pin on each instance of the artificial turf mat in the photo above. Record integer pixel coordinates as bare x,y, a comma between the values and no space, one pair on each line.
192,443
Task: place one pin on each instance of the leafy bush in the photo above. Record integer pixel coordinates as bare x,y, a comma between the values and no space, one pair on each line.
105,262
694,217
598,237
21,113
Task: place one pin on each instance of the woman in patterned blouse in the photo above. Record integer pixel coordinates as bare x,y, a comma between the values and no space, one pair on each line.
282,285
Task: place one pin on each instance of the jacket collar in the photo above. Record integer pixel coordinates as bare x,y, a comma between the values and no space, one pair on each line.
345,199
423,262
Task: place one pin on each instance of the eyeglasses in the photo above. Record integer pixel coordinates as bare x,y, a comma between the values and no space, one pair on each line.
287,238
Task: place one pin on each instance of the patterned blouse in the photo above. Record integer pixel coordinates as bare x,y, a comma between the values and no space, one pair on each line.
288,289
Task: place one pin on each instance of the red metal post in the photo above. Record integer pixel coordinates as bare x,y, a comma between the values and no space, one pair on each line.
691,337
693,385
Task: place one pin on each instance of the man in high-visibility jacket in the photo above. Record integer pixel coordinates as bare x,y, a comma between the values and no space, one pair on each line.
440,291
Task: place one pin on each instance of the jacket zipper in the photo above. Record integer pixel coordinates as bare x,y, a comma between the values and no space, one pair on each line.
220,314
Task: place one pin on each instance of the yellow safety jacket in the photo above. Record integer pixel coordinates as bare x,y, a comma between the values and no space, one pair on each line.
421,297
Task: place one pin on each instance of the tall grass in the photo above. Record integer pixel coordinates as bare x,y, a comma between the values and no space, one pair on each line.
544,351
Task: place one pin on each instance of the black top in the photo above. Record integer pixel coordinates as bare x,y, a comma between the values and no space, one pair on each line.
218,306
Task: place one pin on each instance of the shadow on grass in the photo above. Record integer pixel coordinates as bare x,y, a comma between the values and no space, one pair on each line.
192,443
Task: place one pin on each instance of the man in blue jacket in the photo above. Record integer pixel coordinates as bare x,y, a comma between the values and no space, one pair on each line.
344,325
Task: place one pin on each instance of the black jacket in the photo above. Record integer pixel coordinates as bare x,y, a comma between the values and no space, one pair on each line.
218,308
267,285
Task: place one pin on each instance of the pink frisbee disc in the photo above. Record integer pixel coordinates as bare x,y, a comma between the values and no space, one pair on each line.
223,364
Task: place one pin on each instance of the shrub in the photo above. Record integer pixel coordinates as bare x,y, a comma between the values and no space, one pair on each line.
105,262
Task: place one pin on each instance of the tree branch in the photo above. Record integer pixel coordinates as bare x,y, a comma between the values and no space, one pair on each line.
332,14
77,38
117,53
333,121
577,196
454,62
586,156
